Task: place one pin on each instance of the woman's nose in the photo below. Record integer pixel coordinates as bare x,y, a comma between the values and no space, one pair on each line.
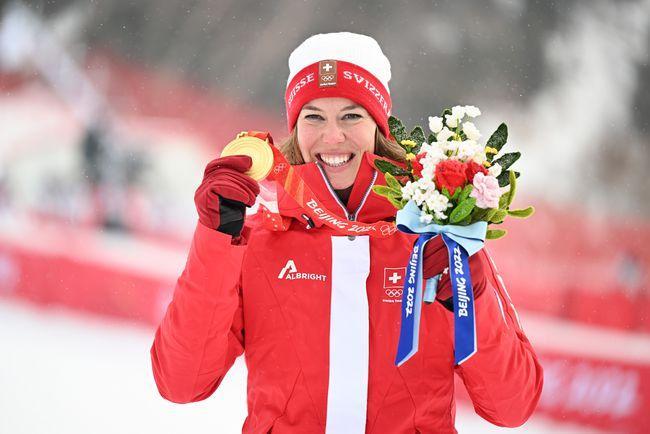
333,134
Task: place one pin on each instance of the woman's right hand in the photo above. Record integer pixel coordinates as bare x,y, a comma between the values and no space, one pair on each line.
224,194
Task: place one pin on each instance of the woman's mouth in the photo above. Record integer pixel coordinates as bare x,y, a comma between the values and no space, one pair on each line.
335,160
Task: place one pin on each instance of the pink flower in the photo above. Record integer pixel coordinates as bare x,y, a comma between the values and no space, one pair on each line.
486,191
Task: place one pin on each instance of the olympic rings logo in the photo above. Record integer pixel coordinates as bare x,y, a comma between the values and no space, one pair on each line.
387,230
279,168
327,77
393,292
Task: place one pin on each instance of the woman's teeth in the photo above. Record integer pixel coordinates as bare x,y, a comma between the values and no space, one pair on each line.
335,160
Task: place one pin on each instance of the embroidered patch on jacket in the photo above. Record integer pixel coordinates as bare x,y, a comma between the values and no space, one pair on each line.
393,284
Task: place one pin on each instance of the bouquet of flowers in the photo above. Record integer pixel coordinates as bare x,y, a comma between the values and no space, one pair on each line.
450,176
454,187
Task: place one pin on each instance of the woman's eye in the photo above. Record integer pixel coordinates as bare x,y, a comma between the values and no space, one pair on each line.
352,116
314,117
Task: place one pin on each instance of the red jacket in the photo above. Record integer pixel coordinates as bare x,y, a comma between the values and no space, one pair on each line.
317,316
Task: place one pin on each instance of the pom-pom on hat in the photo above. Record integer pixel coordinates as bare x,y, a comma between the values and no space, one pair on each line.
346,65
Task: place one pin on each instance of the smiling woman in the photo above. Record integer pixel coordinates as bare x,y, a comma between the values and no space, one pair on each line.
315,308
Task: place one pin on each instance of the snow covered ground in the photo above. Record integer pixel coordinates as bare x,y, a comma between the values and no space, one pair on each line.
63,372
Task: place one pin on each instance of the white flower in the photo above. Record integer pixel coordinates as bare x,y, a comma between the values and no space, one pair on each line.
435,153
428,169
471,131
425,217
452,121
426,184
444,134
451,145
467,149
408,189
479,157
438,203
458,112
418,197
425,148
495,170
435,124
472,111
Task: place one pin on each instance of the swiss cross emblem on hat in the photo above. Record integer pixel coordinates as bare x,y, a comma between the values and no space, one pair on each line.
394,277
327,73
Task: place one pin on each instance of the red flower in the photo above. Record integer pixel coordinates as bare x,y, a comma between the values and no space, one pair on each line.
417,166
450,174
472,169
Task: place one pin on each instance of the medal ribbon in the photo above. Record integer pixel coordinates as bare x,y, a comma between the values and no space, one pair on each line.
288,178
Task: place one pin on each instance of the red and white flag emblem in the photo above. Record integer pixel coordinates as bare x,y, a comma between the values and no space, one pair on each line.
394,277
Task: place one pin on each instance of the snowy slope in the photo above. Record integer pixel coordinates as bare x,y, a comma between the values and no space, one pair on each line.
62,372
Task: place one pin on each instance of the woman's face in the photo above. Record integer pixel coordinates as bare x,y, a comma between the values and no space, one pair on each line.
335,132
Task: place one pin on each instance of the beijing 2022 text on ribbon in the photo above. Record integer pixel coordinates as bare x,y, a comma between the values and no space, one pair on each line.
461,242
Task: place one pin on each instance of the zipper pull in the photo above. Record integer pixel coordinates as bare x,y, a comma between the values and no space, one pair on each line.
351,217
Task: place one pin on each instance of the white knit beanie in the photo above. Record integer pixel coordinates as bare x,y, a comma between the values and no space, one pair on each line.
344,64
355,48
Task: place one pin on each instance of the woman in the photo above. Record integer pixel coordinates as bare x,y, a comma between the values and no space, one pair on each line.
317,313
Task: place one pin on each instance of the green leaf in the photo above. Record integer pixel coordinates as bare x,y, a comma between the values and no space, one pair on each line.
464,222
396,128
383,190
497,140
498,216
466,192
521,213
503,201
490,213
392,182
479,214
506,199
507,160
513,188
431,138
504,177
457,194
494,234
445,193
396,203
462,210
417,135
385,167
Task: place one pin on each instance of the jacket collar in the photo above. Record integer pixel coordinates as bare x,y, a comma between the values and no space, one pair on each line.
368,206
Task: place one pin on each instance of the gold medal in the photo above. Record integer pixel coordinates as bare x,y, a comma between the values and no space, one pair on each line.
259,150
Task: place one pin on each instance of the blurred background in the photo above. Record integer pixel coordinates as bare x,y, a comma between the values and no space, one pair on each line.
110,110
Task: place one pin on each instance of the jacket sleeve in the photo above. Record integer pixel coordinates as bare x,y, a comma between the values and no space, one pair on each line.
201,333
504,378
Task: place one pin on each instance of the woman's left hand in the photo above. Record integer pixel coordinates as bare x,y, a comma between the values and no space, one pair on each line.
436,261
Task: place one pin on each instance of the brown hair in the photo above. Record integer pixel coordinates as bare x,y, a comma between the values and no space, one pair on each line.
384,147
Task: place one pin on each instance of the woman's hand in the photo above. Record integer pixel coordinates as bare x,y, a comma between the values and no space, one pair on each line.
436,260
224,194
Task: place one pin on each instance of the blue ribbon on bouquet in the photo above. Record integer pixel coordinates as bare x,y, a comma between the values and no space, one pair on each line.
462,242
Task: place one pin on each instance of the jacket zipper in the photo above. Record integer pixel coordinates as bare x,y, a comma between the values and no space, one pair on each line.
355,214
